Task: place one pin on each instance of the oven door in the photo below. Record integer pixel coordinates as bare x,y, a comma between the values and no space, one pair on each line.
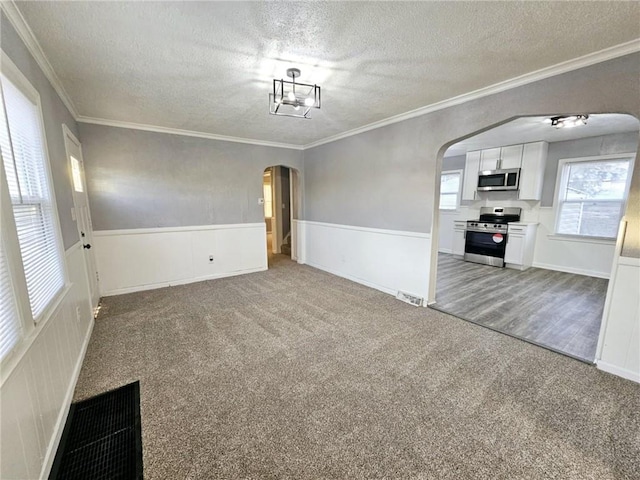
485,247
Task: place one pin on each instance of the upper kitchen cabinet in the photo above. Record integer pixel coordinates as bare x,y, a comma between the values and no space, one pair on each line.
511,156
490,159
534,158
470,183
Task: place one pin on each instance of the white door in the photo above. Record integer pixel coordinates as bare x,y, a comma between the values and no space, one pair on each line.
82,214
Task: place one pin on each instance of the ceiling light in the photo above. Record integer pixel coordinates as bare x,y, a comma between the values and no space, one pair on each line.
286,101
569,121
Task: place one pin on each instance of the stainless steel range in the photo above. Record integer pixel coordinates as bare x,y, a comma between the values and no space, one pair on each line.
486,238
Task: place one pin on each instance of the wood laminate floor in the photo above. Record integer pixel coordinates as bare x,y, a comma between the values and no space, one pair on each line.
557,310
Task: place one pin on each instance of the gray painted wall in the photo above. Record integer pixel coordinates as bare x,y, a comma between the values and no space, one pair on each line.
385,178
54,113
584,147
139,179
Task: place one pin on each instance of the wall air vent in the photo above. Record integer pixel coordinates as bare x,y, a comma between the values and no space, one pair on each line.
410,299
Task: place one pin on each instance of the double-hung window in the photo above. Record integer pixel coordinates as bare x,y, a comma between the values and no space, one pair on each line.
450,189
592,195
34,222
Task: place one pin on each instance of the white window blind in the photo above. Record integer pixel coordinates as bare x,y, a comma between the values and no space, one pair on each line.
9,322
592,196
449,190
21,141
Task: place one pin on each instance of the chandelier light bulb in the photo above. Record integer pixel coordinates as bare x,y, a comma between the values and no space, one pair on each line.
291,96
297,107
309,102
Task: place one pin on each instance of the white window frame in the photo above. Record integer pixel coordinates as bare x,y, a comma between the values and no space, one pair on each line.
458,194
561,182
30,325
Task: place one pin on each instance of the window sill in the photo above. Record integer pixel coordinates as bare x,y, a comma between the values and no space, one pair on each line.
582,239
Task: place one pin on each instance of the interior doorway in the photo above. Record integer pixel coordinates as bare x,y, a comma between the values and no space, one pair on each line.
527,225
279,184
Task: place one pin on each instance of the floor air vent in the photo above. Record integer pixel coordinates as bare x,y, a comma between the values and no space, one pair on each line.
411,299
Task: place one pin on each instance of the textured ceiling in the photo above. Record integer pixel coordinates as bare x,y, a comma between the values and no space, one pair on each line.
208,66
535,129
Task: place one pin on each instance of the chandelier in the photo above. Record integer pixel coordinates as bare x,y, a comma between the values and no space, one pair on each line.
292,99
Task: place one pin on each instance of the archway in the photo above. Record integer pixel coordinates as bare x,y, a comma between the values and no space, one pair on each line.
567,200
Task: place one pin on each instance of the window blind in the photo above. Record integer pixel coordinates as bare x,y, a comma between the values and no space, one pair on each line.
9,322
22,146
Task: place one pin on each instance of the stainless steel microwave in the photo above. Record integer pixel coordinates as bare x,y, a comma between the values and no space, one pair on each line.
492,180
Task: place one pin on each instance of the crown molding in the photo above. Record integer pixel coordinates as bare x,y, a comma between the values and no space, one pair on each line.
26,35
186,133
610,53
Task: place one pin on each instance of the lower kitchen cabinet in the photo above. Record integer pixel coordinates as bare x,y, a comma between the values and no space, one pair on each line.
459,228
521,241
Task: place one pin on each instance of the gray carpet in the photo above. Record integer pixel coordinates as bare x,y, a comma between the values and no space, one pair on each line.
294,373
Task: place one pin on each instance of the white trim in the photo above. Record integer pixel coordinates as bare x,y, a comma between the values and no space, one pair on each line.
72,248
26,35
153,286
382,231
620,372
576,271
62,416
629,261
361,281
186,133
143,231
581,239
547,72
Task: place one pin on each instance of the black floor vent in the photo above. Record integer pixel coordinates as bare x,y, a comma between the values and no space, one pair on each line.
102,438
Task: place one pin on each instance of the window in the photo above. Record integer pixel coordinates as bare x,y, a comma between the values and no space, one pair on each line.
266,190
25,166
450,189
591,196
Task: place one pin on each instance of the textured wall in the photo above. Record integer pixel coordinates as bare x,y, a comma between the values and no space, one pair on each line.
139,179
54,113
385,178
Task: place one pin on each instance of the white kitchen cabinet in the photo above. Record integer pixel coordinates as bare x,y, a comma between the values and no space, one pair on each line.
521,240
459,229
470,183
534,159
511,156
489,159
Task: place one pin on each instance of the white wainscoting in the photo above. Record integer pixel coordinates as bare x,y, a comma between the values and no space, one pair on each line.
147,258
387,260
583,257
38,387
620,334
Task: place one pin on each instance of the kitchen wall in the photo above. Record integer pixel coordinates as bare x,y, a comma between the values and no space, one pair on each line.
39,376
163,204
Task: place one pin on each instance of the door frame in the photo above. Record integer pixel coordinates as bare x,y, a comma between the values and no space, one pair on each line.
68,135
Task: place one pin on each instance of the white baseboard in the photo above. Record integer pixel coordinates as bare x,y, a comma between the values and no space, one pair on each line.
153,286
445,250
620,372
352,278
576,271
64,412
387,260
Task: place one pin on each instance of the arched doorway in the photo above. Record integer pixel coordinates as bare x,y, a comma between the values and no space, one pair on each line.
281,202
573,185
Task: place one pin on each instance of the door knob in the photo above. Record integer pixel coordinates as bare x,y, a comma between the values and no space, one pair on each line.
87,246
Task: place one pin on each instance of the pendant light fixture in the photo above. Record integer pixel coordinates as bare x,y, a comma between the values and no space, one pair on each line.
568,122
293,99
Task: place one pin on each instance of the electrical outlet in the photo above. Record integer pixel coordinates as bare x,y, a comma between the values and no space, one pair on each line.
210,258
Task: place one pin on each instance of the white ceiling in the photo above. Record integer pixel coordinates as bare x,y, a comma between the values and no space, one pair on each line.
208,66
535,129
